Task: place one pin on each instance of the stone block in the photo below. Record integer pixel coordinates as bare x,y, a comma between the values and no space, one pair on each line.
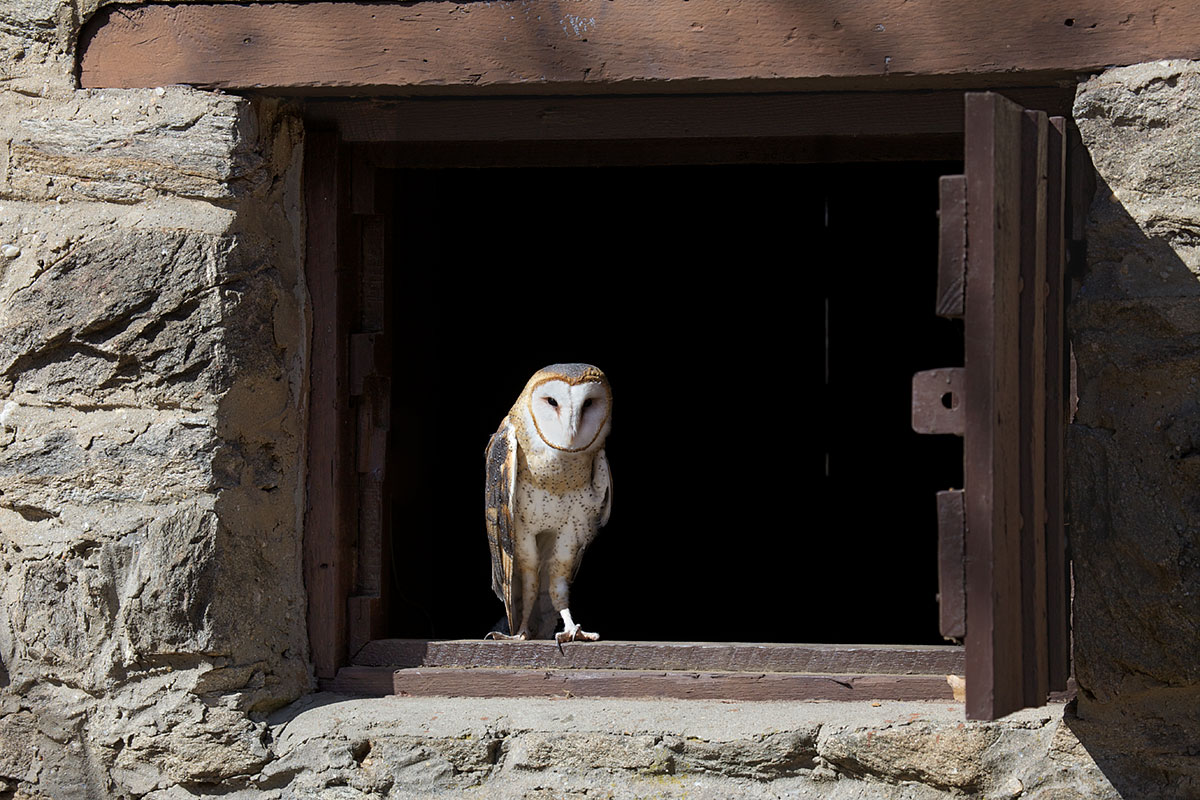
1135,327
131,145
944,757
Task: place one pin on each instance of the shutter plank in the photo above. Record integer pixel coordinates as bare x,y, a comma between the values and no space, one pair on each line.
1032,297
1058,642
330,517
952,591
952,244
991,448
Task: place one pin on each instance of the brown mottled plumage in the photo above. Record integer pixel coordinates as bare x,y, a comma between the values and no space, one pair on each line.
548,491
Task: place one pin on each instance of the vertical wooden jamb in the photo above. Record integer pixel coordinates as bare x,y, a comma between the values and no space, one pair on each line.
329,517
951,285
1058,642
991,450
370,384
1032,293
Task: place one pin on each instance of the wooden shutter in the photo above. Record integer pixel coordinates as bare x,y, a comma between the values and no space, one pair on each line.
349,406
1002,550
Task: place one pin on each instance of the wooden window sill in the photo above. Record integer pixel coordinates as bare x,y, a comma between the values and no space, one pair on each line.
735,671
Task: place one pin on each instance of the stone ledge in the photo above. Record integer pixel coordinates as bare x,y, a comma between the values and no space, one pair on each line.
329,745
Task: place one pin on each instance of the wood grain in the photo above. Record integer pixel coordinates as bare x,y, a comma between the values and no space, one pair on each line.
1035,131
664,152
370,681
682,685
634,45
329,519
952,591
1058,637
878,659
952,245
937,401
991,446
795,115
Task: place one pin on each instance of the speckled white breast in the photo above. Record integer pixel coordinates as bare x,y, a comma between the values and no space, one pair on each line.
538,510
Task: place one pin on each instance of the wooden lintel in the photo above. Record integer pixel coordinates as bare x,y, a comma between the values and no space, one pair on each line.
818,116
631,46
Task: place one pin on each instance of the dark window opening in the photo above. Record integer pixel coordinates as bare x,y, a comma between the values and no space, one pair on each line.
760,326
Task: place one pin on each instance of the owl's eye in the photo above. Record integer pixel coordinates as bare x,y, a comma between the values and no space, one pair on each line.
587,403
553,403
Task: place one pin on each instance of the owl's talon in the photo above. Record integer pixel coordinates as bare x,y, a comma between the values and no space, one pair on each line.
497,635
575,634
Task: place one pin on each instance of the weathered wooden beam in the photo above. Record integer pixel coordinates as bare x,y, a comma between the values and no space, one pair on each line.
634,45
811,115
330,514
707,656
486,682
991,450
663,152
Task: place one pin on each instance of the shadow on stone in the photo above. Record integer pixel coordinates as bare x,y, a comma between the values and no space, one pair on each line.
1133,465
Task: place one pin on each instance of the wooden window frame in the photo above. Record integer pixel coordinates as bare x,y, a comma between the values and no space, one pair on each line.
356,143
853,81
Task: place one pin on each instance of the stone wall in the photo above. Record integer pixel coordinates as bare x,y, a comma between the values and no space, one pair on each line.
1134,450
152,331
152,388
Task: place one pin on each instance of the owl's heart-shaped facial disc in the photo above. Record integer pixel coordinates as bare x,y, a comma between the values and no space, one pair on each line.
569,416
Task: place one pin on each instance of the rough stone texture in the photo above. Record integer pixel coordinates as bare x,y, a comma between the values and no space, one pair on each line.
331,746
1135,446
152,390
151,429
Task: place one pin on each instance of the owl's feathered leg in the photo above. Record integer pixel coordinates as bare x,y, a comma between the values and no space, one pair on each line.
571,632
527,566
527,561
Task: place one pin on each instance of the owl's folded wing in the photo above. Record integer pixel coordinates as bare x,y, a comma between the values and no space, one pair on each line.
602,482
499,497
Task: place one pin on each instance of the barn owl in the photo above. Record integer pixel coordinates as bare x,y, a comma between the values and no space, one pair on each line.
548,491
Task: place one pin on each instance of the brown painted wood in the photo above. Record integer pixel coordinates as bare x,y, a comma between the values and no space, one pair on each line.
329,517
699,685
991,446
1033,236
372,316
1058,641
636,45
952,245
703,656
369,371
370,681
366,359
664,152
937,401
362,184
952,590
762,115
364,614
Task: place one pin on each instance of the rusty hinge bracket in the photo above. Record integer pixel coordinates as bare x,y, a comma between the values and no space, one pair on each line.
937,401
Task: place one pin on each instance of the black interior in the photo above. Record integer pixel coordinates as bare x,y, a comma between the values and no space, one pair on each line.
766,487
